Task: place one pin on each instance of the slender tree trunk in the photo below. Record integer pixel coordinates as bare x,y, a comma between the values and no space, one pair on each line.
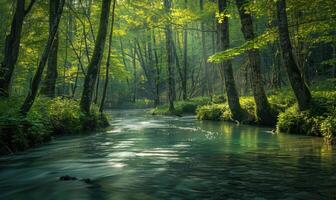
170,59
134,76
205,81
185,58
12,47
92,72
157,70
48,87
263,110
231,91
298,84
101,108
38,75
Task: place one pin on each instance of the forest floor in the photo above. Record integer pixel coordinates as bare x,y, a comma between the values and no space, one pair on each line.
320,120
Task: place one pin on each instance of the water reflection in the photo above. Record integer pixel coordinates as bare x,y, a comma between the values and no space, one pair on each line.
151,157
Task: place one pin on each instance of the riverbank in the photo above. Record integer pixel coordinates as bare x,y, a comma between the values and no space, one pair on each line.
47,118
159,157
320,120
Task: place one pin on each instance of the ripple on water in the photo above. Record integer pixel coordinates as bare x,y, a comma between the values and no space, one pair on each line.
153,157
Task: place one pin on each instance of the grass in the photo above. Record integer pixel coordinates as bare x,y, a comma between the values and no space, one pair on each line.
47,118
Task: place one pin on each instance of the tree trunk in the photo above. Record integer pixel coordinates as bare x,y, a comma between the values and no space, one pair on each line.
92,72
134,76
48,87
205,81
231,91
170,59
38,75
263,110
157,70
12,47
101,108
298,84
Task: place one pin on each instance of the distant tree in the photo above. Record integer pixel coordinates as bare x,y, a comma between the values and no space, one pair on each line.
170,59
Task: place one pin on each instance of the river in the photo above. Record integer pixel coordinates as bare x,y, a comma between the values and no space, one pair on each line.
156,157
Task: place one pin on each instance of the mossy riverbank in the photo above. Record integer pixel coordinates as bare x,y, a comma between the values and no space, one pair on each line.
47,118
319,120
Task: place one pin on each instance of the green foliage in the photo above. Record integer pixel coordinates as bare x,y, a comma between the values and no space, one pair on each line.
65,116
318,121
138,104
261,41
47,117
213,112
328,128
182,107
221,112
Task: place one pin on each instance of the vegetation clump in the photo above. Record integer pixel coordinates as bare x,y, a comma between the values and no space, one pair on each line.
182,107
319,120
47,118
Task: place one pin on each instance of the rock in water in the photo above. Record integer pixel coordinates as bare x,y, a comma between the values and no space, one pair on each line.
67,178
86,180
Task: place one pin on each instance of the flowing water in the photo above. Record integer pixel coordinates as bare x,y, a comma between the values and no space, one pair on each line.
147,157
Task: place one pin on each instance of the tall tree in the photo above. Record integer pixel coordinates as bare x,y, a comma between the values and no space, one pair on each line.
298,84
170,58
48,87
108,62
226,67
205,78
43,60
12,47
263,109
92,72
157,73
185,58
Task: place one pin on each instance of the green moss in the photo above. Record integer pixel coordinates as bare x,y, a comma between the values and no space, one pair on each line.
46,118
211,112
317,121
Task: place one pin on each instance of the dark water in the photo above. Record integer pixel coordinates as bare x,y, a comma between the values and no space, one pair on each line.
148,157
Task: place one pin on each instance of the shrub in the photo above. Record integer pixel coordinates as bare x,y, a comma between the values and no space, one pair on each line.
47,117
211,112
65,116
182,107
328,127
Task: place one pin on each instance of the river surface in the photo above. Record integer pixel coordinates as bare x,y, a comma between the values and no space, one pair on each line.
155,157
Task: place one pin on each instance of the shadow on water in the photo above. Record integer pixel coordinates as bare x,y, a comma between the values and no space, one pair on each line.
156,157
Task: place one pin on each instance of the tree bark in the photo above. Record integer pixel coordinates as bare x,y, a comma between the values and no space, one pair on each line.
48,87
170,59
205,84
157,71
263,110
231,91
185,59
43,60
101,108
12,47
298,84
92,72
